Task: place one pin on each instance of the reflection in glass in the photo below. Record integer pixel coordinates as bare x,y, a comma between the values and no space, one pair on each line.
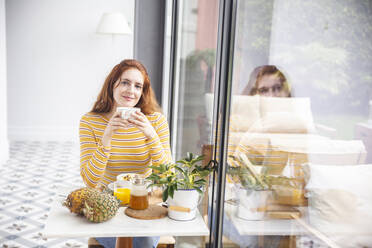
299,125
298,120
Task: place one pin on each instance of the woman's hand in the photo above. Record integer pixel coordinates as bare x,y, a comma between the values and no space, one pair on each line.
115,123
142,123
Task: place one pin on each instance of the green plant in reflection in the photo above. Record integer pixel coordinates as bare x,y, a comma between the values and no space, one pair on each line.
243,171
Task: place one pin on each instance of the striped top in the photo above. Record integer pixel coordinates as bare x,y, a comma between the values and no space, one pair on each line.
130,150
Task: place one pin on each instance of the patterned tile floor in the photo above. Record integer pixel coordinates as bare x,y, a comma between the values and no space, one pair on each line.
28,183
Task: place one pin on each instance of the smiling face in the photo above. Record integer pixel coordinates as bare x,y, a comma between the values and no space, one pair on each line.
128,88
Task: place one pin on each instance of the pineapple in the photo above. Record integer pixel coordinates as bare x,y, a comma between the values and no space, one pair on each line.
99,207
75,200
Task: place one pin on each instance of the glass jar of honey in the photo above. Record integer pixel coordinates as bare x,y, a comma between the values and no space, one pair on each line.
139,195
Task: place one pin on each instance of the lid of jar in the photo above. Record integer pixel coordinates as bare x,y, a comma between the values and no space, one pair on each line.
138,180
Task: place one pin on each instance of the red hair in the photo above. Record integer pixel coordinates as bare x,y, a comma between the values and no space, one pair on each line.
105,99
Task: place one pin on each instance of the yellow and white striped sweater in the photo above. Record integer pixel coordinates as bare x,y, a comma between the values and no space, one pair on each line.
130,150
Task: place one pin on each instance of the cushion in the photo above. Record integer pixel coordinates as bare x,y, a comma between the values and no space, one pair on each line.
340,203
322,151
286,115
267,114
245,111
283,122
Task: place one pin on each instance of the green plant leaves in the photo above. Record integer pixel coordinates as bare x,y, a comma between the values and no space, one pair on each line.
240,168
198,189
184,174
165,194
171,191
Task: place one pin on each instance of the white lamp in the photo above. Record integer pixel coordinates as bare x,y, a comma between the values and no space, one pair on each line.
113,23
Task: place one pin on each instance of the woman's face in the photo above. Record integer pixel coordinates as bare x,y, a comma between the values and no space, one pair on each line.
128,88
270,85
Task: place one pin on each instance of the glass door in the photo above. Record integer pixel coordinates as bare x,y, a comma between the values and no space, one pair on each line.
294,125
193,51
279,93
193,44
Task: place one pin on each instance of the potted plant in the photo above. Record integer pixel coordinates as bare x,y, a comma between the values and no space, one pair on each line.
183,183
255,187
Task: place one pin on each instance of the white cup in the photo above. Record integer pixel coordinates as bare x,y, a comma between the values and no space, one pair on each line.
126,111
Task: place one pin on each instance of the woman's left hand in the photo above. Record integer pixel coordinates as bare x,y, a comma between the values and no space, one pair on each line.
142,123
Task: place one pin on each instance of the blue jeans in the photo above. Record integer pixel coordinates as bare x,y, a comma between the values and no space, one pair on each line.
138,242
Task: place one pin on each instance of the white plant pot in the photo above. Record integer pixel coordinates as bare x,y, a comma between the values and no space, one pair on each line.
252,204
183,199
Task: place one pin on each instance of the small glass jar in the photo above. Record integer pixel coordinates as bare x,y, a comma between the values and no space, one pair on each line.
139,195
122,191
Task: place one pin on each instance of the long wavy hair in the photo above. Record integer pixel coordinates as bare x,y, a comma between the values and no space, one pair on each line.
105,100
259,72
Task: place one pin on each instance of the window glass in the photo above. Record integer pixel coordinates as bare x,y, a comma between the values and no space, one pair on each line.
196,42
300,130
195,63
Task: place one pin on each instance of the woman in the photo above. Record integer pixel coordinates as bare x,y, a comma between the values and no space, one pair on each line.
110,145
267,80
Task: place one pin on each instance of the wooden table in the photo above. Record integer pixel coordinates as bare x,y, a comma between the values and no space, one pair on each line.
265,227
291,227
62,223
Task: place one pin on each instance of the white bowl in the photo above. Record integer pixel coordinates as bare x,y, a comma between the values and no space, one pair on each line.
125,176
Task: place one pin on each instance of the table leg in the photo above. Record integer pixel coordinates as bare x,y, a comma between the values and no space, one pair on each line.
288,242
292,241
261,241
124,242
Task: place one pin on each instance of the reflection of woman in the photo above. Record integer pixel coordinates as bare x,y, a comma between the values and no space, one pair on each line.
110,145
267,80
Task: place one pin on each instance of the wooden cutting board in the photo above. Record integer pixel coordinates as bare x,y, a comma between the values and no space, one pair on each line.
286,215
282,212
151,213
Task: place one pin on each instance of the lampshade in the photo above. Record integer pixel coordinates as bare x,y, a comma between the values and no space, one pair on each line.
113,23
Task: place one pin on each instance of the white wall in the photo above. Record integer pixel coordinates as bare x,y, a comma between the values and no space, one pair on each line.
4,147
57,63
